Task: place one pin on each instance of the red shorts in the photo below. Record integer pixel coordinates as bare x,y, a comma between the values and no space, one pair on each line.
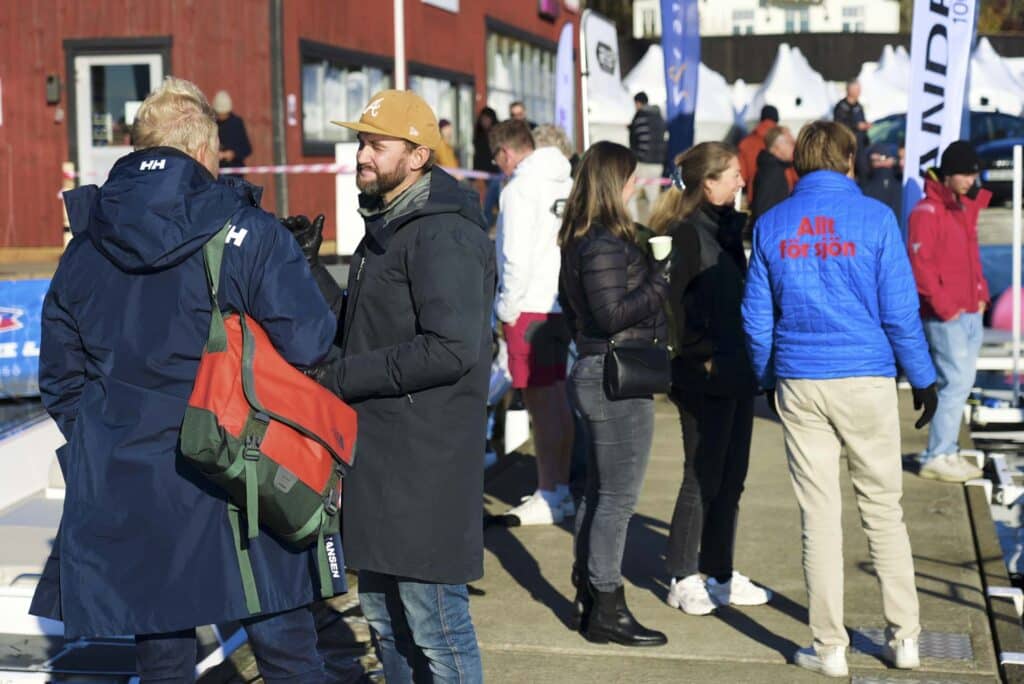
538,349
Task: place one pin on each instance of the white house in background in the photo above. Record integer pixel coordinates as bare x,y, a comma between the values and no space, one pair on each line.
741,17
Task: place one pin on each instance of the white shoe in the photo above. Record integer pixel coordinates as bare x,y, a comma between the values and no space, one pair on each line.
738,591
534,510
903,654
690,595
830,662
949,468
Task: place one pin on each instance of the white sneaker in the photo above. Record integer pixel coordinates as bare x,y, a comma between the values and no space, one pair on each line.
739,591
949,468
690,595
534,510
830,662
903,654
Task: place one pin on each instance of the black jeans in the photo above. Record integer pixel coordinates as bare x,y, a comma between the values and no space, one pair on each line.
284,645
619,435
716,442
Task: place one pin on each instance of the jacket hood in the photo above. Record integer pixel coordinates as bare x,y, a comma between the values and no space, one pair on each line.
547,163
446,197
825,181
158,207
936,190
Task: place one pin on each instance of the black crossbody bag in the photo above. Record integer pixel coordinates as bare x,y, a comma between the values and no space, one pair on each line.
636,368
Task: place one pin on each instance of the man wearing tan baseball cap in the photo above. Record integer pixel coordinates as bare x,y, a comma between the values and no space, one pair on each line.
415,364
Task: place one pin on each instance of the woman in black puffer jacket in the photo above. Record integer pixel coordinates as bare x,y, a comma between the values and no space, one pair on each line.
611,290
713,383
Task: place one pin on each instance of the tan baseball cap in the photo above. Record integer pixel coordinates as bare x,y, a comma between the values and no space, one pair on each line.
400,114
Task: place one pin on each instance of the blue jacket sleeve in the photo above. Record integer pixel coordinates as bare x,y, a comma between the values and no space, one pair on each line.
899,307
61,361
284,298
759,317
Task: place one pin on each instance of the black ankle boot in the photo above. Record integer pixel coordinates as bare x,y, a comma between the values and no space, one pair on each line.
582,603
610,620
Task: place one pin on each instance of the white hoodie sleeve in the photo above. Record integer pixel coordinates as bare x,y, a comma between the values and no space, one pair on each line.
517,227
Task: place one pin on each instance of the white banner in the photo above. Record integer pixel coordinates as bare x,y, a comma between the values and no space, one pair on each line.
605,99
565,84
940,56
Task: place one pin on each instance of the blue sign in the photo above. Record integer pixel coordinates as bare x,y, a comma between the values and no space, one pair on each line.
21,308
680,43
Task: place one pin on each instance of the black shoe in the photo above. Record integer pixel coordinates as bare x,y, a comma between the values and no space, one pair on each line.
610,620
582,604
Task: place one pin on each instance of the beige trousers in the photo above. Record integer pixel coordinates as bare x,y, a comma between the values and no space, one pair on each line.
819,417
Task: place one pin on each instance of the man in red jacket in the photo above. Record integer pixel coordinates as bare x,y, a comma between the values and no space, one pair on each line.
943,245
752,145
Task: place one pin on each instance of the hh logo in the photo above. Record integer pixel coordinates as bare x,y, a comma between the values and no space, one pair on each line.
10,319
373,109
235,236
153,165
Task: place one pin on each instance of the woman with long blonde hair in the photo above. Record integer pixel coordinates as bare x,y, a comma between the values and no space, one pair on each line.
713,384
612,291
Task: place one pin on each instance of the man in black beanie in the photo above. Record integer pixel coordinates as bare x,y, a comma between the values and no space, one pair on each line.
943,244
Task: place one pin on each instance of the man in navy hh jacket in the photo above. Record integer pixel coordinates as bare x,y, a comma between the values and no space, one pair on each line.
145,546
830,308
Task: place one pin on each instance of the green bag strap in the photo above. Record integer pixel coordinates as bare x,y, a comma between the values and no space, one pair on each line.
213,255
251,456
252,597
324,565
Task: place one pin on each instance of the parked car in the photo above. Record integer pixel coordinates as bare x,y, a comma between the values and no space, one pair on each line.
985,127
993,133
997,167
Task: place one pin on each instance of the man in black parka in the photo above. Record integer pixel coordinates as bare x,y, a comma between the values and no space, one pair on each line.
415,364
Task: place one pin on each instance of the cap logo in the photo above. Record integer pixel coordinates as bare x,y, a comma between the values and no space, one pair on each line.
373,109
413,132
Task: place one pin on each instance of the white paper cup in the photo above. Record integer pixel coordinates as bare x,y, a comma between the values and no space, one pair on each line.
661,246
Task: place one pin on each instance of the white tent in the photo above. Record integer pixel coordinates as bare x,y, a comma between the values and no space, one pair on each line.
715,114
794,88
884,84
994,86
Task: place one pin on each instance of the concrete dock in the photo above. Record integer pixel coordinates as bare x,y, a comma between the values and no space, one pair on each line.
522,605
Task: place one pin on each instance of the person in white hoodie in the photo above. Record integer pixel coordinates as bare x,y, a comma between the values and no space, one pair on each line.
529,260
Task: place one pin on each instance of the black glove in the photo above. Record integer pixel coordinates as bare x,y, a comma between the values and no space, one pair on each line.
309,235
769,395
927,397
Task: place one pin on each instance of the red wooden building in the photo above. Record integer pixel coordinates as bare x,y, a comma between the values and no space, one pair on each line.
72,73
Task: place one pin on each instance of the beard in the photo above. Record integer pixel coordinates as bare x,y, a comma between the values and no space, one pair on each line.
382,183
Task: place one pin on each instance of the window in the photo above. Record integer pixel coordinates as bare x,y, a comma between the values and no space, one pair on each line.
336,85
650,27
518,70
798,20
452,99
742,22
853,18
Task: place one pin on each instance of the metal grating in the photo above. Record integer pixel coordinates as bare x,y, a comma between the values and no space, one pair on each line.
944,645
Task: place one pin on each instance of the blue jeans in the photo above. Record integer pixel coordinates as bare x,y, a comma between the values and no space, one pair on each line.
422,631
954,347
284,645
619,435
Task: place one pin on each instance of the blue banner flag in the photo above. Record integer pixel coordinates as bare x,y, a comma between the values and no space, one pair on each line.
680,42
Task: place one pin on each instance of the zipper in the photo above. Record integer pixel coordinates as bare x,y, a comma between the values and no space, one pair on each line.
351,307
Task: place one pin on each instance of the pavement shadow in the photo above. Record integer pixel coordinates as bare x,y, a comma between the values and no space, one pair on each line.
521,566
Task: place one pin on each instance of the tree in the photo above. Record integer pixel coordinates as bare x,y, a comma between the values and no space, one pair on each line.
995,16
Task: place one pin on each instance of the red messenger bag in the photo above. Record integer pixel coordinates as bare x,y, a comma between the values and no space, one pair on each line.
272,438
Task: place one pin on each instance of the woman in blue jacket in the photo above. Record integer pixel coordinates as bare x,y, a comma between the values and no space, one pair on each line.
712,384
